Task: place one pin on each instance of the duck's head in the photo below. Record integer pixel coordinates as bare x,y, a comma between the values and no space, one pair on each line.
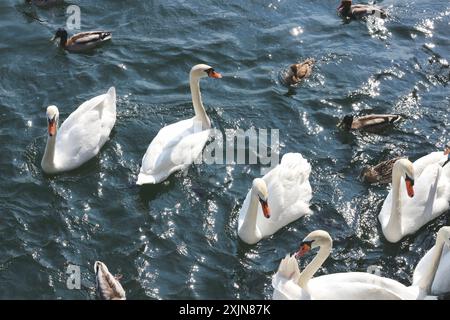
259,190
52,120
203,70
369,175
60,33
313,240
346,122
344,5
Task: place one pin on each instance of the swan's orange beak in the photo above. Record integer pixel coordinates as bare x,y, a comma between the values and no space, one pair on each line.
304,248
265,208
409,186
214,74
51,127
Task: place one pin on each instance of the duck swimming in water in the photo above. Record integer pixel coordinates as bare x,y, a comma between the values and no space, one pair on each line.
81,41
371,121
45,3
299,71
358,11
381,173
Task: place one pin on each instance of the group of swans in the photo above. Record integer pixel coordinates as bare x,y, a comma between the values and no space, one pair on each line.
420,192
430,276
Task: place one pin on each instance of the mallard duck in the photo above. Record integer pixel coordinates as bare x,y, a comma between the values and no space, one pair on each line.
81,41
45,3
351,122
381,173
358,11
299,71
107,286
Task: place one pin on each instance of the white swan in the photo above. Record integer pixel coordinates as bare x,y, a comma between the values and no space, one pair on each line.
422,195
433,270
81,136
287,186
178,145
290,283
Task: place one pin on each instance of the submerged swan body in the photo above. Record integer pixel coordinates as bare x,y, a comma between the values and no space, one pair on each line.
178,145
82,134
108,287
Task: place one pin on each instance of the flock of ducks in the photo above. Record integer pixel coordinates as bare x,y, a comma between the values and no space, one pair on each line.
420,190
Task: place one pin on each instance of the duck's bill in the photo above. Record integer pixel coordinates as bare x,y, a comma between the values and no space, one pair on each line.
51,128
410,187
304,248
215,75
265,208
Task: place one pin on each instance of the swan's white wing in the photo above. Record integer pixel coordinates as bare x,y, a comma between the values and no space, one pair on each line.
441,282
289,193
174,148
420,164
85,131
358,286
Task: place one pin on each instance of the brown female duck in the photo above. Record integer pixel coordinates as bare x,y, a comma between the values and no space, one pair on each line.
381,173
299,71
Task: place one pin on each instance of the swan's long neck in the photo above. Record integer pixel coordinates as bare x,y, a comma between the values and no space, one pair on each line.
428,278
394,220
48,160
314,265
199,109
248,227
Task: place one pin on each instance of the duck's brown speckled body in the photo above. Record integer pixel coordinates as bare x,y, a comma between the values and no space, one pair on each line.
299,71
381,173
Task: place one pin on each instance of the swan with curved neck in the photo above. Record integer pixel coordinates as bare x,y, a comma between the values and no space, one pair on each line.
290,283
249,231
432,272
427,186
287,186
81,136
178,145
403,168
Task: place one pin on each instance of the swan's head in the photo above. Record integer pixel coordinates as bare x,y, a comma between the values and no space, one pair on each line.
203,70
259,190
346,122
52,120
313,240
444,234
405,168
